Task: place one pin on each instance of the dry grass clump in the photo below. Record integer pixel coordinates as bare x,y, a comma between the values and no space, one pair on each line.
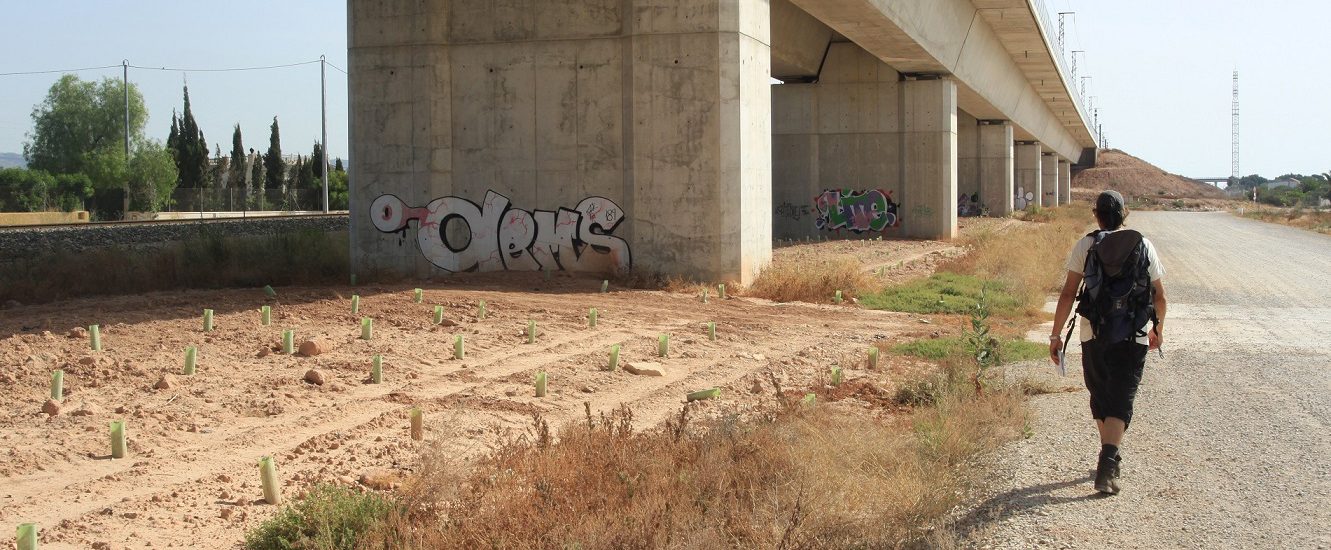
799,477
1027,259
814,282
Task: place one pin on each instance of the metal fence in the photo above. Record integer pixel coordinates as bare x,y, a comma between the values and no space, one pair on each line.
240,200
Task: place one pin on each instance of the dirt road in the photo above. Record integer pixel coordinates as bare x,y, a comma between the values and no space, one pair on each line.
1231,443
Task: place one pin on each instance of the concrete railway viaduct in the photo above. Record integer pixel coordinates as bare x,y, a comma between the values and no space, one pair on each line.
602,135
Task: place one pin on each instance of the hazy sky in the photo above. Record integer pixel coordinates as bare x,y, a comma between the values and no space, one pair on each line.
1160,71
1162,76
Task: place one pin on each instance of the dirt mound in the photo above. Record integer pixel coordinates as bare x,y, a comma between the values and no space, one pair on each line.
1134,177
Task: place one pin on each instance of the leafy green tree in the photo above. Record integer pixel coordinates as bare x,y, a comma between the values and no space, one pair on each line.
338,166
219,168
24,190
80,129
274,166
1251,181
337,190
152,177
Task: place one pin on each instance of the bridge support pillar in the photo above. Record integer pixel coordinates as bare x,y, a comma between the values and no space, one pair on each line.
996,167
929,158
1065,181
582,136
1049,178
863,153
1029,190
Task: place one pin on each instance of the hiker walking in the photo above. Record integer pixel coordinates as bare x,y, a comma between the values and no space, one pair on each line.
1121,294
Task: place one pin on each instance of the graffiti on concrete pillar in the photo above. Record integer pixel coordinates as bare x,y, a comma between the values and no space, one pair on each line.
858,211
792,211
498,237
968,205
1023,199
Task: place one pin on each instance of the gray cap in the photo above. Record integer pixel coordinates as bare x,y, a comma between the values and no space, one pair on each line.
1111,208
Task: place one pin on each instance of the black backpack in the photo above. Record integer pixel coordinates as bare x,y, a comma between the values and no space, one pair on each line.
1116,295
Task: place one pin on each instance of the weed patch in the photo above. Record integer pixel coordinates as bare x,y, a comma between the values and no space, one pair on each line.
955,347
948,293
330,518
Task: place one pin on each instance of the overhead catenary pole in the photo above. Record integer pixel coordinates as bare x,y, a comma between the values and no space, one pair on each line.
323,141
124,65
1061,50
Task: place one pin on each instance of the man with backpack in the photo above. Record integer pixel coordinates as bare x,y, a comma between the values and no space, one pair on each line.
1122,293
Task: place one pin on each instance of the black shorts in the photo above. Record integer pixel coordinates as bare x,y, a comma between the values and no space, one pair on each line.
1112,374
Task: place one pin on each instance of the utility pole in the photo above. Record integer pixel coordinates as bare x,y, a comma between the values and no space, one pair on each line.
1083,86
124,65
1234,122
1060,30
323,141
1074,66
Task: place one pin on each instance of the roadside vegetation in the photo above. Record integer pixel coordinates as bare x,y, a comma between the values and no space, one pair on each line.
1309,219
798,470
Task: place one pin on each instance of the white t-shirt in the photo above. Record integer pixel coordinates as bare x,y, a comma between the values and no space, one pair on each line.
1077,262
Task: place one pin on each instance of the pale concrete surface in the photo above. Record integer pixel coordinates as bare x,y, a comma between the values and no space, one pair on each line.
1064,181
1049,178
799,42
43,218
1228,445
928,158
1028,172
658,114
968,154
997,167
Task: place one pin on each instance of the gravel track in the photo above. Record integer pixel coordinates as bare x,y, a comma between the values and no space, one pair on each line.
1229,447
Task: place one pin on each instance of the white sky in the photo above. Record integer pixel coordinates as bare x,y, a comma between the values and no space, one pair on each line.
1160,71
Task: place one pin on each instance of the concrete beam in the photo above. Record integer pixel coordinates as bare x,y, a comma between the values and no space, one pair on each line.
1028,171
997,165
1049,176
799,42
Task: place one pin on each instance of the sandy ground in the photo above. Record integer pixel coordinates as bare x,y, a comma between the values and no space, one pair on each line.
1229,446
191,480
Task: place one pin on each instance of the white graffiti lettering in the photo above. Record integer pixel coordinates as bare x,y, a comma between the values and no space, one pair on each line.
498,237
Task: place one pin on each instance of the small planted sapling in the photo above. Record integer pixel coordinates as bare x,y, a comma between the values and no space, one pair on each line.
377,369
873,357
207,320
711,330
366,328
438,315
417,424
531,332
591,318
95,337
614,357
58,385
289,342
272,490
191,358
836,376
118,446
663,345
540,384
418,295
458,351
355,304
266,315
703,394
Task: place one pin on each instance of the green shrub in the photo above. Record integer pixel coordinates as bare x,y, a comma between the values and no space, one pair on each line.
330,518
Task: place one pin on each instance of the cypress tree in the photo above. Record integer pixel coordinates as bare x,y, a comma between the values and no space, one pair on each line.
239,172
317,160
274,167
338,166
256,171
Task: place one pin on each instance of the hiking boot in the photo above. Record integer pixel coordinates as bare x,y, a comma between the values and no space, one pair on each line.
1106,475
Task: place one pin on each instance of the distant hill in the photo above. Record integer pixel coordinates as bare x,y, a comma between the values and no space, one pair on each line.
12,160
1134,177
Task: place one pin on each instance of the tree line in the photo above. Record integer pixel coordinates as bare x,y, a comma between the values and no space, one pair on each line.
76,159
1306,190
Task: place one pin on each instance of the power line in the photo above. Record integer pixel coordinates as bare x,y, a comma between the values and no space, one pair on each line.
338,68
229,69
21,73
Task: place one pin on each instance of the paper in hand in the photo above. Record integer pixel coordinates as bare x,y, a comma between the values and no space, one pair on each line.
1062,361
